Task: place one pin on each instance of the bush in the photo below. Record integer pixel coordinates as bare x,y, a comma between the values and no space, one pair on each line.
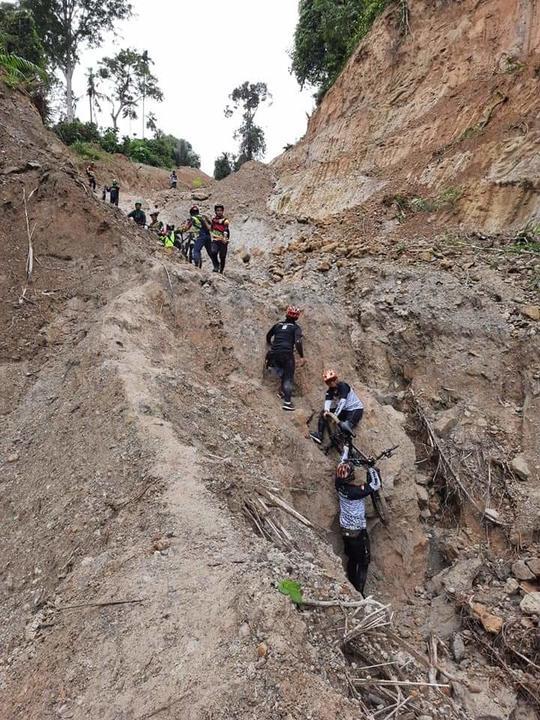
86,150
77,131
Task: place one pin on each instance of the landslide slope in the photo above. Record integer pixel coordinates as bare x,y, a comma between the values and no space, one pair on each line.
445,110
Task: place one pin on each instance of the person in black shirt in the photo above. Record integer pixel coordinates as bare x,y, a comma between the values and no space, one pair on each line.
284,337
114,193
138,214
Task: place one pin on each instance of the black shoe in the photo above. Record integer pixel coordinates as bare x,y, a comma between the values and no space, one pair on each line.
287,405
215,270
315,436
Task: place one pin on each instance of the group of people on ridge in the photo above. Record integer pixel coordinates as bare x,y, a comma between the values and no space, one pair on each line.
200,231
340,401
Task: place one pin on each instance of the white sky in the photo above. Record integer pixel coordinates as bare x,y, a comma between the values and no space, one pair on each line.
202,50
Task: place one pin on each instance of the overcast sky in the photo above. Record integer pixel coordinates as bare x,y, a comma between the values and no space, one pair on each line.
201,52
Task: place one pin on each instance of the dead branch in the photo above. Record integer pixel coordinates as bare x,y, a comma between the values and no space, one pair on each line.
397,683
284,506
100,604
30,255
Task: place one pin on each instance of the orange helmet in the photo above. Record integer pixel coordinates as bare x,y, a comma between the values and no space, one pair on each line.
345,471
293,312
329,375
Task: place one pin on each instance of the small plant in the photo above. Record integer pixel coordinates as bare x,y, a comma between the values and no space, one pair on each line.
293,589
448,197
197,182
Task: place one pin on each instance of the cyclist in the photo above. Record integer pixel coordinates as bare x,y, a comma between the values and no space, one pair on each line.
352,520
284,337
201,225
342,401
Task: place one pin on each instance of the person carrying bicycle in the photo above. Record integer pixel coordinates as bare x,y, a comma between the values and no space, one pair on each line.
284,337
342,401
352,520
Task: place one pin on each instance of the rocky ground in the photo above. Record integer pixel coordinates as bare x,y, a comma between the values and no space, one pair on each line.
148,473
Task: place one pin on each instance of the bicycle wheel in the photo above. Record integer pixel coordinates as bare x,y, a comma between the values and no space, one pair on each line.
380,507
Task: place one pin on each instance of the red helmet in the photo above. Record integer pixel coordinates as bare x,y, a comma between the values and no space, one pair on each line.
329,375
345,471
293,312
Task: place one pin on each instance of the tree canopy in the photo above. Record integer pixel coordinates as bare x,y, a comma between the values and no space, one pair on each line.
224,165
247,98
65,26
129,80
326,34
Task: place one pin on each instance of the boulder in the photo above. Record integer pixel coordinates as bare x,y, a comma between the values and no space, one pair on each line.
521,570
460,577
531,311
511,586
422,495
519,467
491,623
442,619
446,422
458,647
530,604
200,195
534,566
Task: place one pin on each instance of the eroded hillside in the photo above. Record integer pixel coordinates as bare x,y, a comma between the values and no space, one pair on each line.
139,435
444,110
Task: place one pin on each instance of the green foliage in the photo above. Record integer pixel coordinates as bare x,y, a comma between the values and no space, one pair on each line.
326,34
183,153
444,201
129,80
293,589
18,35
223,166
248,97
77,131
64,26
197,183
87,150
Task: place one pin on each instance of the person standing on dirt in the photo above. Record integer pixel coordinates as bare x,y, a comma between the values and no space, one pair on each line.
138,214
343,402
220,232
114,192
91,174
200,224
284,338
352,521
156,225
173,180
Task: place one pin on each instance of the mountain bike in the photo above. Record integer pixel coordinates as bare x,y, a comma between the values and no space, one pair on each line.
340,437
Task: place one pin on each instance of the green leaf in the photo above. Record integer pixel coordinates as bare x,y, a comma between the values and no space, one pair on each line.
293,589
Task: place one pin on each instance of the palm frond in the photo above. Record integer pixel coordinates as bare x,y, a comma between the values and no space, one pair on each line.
17,69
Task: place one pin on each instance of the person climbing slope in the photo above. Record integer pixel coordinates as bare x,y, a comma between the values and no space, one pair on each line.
342,401
156,225
201,225
138,215
220,232
114,192
352,520
173,180
91,174
284,338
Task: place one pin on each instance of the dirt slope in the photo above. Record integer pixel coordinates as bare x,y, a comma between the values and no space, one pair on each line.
451,109
138,427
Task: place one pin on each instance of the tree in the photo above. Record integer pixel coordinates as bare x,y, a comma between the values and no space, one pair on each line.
224,165
130,81
248,97
184,155
65,26
93,92
18,35
326,34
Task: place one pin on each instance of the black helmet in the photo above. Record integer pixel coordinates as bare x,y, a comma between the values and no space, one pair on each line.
194,210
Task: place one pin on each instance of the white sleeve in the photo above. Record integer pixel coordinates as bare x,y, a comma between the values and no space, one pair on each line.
341,404
327,405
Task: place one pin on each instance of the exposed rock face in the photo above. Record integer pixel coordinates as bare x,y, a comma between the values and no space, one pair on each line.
452,105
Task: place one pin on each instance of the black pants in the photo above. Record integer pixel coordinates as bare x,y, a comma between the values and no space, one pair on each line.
285,362
357,550
353,417
219,250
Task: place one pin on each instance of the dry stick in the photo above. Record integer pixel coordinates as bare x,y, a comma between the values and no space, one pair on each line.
29,233
432,674
285,506
100,604
397,683
396,709
333,603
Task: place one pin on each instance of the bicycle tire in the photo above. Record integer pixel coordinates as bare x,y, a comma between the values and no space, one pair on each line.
380,507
